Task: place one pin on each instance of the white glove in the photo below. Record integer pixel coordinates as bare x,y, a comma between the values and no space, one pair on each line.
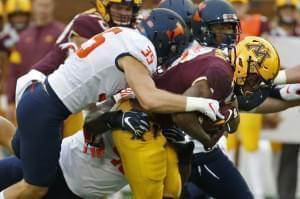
290,92
209,107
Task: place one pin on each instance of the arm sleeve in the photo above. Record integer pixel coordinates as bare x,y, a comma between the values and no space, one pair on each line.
88,25
258,97
275,93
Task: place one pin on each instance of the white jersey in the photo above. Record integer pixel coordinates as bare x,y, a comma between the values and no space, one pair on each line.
90,177
92,71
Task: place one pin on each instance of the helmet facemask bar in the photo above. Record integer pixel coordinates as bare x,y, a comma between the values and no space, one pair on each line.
115,18
125,20
122,14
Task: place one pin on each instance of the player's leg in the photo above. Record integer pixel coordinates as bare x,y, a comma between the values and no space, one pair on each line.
73,124
192,191
10,172
216,175
144,162
249,131
40,114
15,143
232,146
172,188
288,171
59,188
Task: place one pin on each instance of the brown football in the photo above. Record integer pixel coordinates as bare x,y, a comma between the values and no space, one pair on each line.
218,126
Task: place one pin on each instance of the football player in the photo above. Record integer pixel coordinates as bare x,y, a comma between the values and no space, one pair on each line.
18,17
101,174
86,76
107,13
18,13
133,152
212,29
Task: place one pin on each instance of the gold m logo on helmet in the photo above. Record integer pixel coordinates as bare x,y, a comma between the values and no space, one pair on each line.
260,51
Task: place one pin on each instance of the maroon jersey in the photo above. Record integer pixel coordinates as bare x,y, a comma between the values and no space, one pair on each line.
85,25
196,64
34,43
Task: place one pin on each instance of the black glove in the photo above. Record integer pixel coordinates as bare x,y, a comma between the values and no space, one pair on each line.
177,138
134,121
174,135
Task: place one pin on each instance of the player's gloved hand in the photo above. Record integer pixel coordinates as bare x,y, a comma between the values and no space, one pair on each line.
179,140
209,107
290,92
175,135
124,94
232,121
94,144
134,121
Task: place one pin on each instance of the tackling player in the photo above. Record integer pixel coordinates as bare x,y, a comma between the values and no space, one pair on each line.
91,73
83,26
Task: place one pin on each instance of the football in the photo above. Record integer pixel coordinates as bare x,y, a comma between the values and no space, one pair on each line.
229,123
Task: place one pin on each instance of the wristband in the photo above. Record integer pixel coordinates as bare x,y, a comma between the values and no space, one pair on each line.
281,78
2,195
192,103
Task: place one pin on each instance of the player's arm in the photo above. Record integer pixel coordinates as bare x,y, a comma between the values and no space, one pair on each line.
288,76
189,122
83,27
157,100
100,119
272,105
78,40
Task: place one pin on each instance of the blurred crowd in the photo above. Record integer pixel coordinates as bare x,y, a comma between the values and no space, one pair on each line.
29,30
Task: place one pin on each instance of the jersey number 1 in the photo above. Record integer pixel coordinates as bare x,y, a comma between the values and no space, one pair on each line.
94,42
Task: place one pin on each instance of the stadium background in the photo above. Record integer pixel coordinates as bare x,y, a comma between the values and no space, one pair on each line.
66,10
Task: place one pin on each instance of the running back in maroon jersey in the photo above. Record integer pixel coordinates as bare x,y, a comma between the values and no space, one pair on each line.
198,64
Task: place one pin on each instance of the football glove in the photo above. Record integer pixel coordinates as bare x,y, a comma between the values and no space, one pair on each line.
179,140
133,121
